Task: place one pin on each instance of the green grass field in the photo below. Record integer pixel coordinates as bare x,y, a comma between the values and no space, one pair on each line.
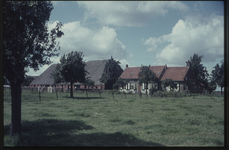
130,121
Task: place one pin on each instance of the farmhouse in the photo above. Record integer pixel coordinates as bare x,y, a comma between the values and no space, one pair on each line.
130,74
95,69
182,76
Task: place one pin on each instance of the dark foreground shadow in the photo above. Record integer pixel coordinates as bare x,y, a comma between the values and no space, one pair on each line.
55,133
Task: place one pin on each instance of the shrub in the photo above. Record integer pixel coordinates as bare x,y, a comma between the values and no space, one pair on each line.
152,90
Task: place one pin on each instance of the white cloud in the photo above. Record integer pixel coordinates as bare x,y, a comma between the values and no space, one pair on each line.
123,64
193,35
95,44
128,13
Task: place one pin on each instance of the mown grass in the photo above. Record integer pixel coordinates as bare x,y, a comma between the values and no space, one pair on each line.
130,121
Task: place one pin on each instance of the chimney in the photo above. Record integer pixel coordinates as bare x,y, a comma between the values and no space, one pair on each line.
126,66
165,66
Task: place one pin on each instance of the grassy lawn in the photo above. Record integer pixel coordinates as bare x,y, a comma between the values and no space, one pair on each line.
130,121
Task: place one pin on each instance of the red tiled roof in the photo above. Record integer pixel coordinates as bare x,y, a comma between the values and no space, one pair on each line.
132,72
175,73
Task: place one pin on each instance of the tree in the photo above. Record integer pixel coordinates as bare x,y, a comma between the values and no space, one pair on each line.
70,69
6,82
218,75
26,44
27,80
199,71
89,83
170,83
146,76
211,86
152,90
119,83
111,73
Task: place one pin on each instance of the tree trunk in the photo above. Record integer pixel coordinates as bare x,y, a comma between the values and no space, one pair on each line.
86,94
15,108
39,95
71,90
112,93
146,90
56,94
100,93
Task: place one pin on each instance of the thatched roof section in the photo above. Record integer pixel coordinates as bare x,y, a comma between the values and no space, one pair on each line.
95,69
45,77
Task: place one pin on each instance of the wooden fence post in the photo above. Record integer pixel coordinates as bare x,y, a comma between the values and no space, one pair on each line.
100,93
39,95
86,94
56,94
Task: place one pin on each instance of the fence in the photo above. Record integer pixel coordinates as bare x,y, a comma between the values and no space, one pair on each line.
155,94
53,89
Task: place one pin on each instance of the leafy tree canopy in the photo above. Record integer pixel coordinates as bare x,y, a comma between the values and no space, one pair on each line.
27,42
211,86
199,71
217,74
146,75
89,82
6,82
70,69
170,83
111,73
27,80
119,83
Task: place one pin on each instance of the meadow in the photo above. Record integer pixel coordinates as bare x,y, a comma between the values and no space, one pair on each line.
120,121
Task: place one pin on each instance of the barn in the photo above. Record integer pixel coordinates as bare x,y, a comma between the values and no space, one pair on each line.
94,67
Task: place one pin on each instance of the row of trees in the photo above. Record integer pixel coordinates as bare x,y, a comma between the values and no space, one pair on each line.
65,73
210,81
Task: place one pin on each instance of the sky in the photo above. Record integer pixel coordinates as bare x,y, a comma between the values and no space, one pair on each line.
140,32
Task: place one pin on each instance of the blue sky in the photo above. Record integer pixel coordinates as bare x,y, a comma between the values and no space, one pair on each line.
141,32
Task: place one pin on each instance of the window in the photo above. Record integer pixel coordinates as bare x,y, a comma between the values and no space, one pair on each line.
132,86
